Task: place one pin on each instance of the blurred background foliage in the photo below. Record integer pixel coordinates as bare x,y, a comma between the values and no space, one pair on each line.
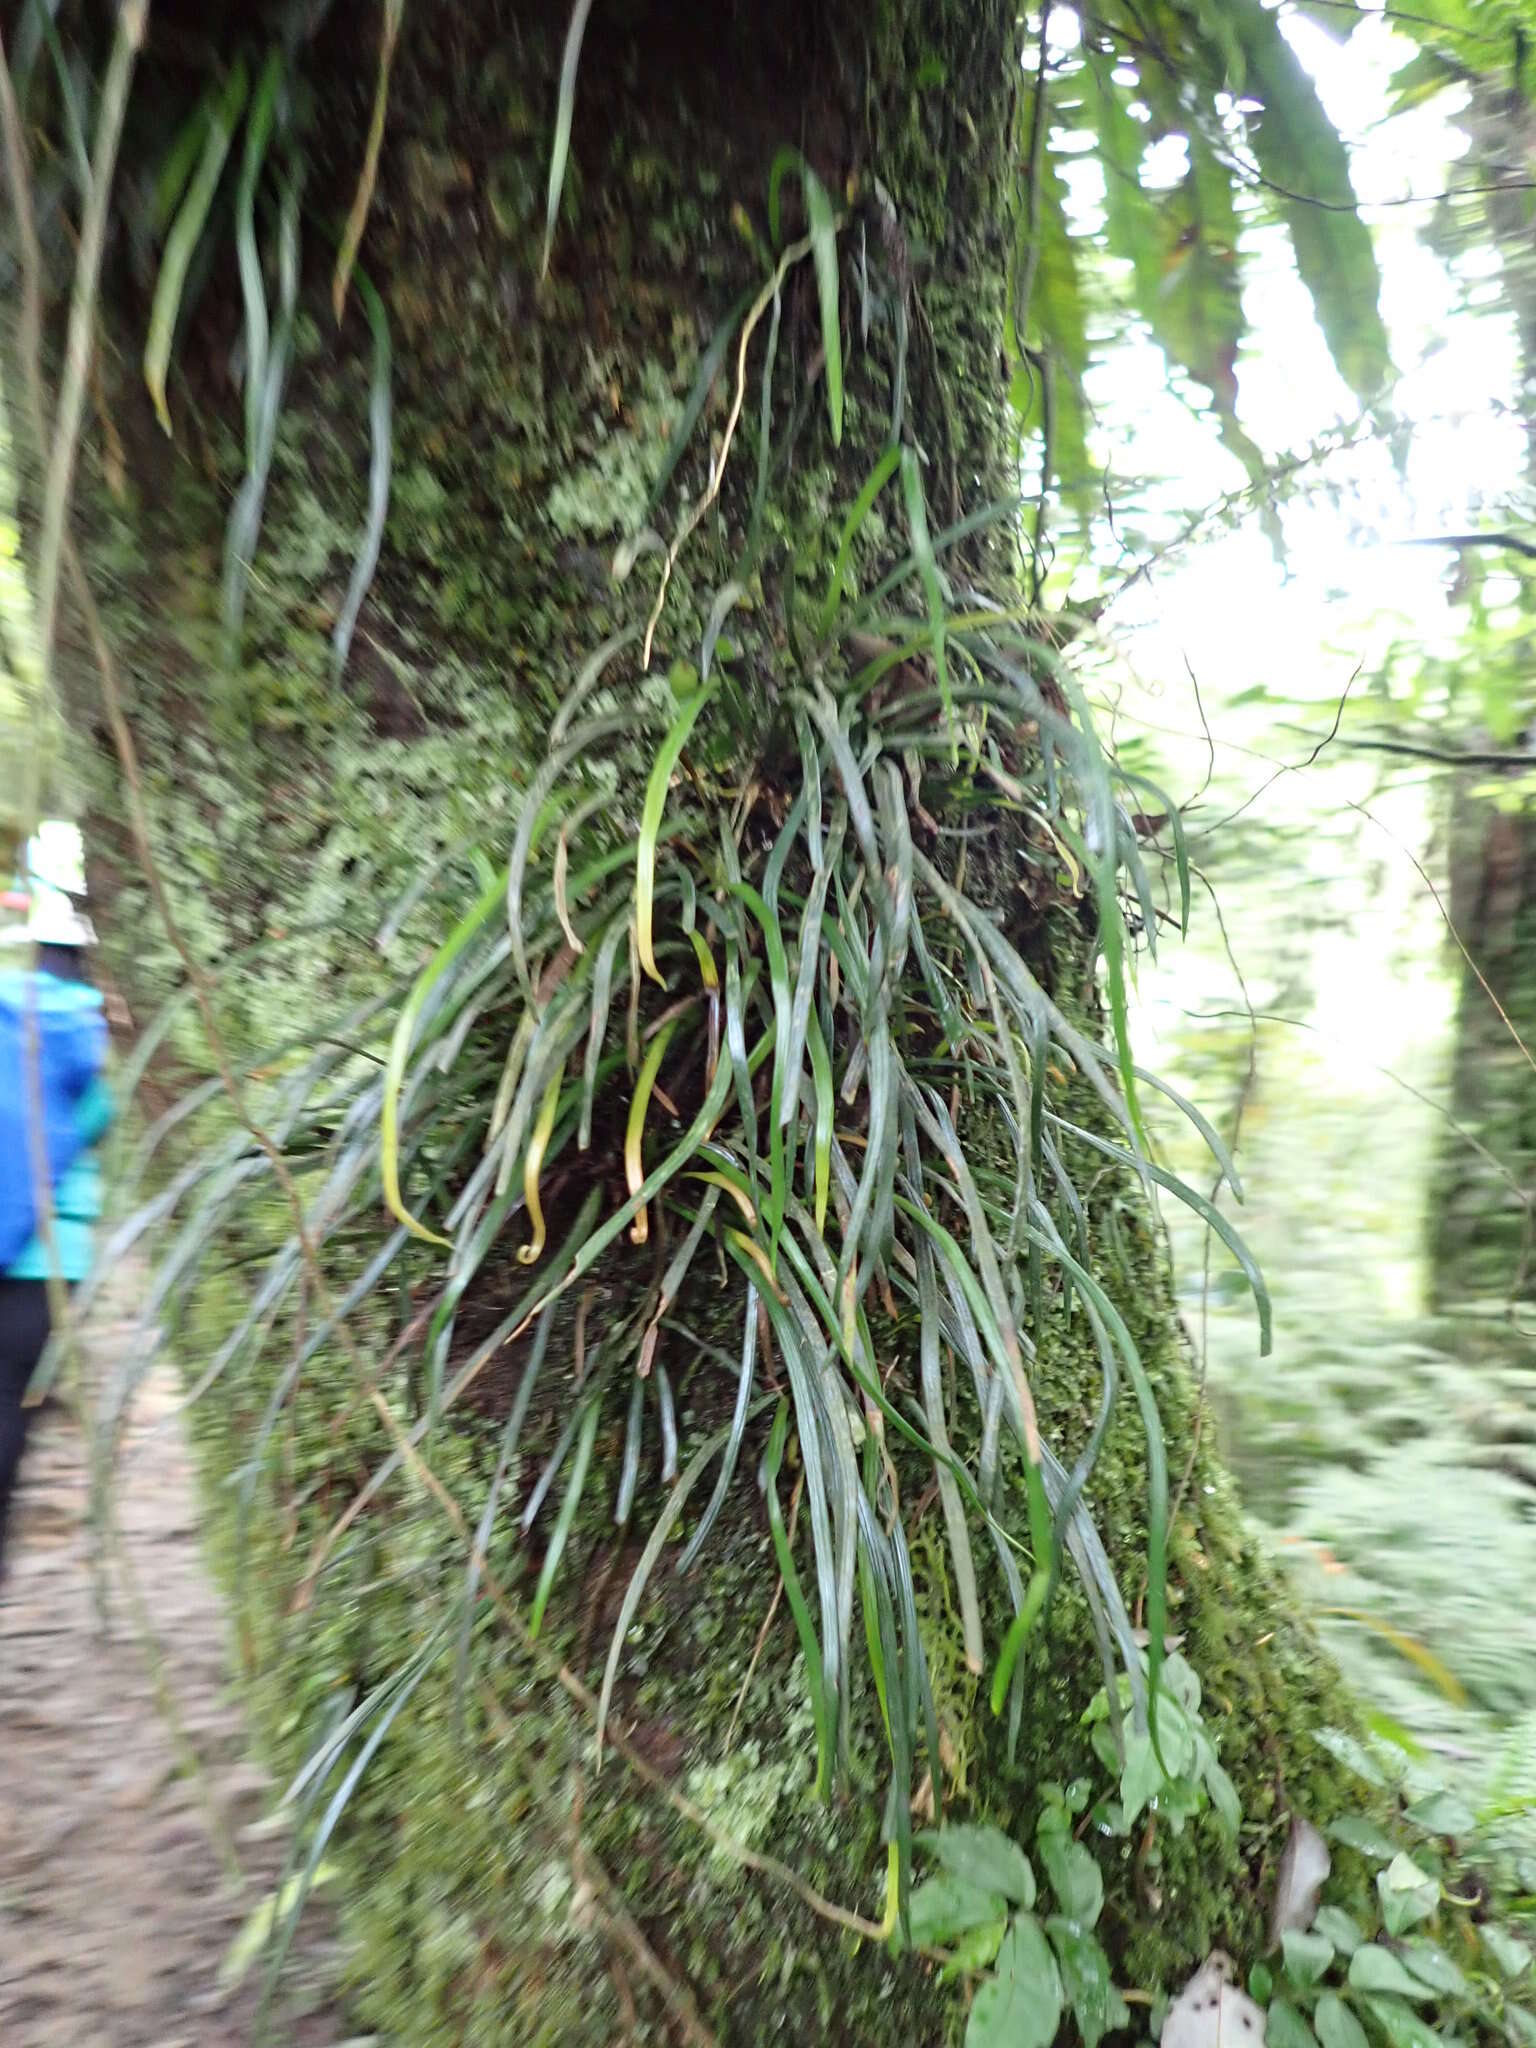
1365,1007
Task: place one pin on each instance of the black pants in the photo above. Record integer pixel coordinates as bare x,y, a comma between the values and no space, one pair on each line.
23,1333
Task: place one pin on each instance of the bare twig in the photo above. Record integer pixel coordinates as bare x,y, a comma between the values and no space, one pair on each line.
1451,757
1515,542
357,219
1291,767
792,255
1205,727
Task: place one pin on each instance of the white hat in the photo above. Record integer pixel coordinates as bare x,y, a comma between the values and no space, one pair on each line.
53,921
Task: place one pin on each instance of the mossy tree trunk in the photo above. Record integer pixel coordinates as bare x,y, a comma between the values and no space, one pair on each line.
1482,1241
499,1887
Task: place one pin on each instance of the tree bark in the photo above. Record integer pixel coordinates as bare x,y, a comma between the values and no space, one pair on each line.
499,1887
1481,1244
1481,1240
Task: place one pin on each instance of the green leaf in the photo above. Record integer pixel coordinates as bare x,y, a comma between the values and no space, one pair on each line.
640,1577
823,1710
566,1520
860,510
224,111
176,167
380,462
1018,1630
400,1049
1096,2005
1407,1894
1058,332
1196,308
1341,1928
1307,1956
1374,1968
1286,2028
928,570
650,823
1074,1875
1432,1966
1020,2005
1356,1832
1130,211
1223,1798
984,1857
977,1947
565,108
943,1908
1145,1777
385,1704
1353,1754
1401,2025
1336,2025
1182,1681
1306,167
1384,1726
258,131
823,226
1442,1813
1512,1955
1261,1983
824,254
1216,25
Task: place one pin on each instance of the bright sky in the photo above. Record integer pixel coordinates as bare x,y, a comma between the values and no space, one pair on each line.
1225,609
1349,584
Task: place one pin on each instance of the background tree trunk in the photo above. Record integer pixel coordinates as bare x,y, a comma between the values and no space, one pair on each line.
1482,1240
500,1888
1481,1233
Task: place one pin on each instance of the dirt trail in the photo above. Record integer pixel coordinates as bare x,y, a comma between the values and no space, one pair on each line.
116,1907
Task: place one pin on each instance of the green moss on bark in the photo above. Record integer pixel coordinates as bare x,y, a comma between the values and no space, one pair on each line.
498,1887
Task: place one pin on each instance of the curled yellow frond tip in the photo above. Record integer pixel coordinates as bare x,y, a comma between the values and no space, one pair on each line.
417,1228
754,1251
738,1195
538,1144
707,971
634,1132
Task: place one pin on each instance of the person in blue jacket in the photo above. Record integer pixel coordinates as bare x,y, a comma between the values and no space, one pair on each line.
46,1000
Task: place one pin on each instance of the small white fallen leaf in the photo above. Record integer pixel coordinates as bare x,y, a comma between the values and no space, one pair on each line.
1303,1868
1213,2012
